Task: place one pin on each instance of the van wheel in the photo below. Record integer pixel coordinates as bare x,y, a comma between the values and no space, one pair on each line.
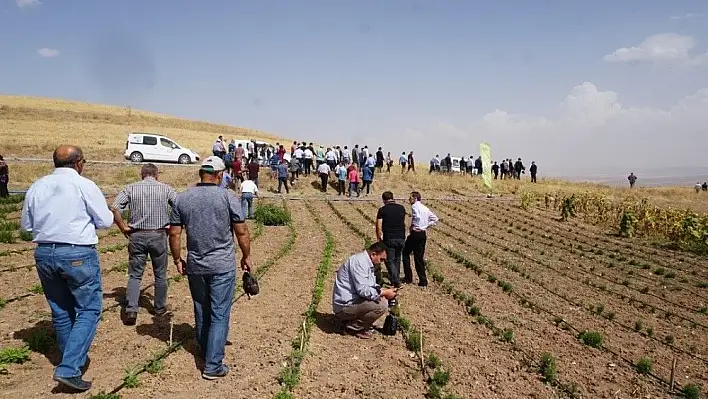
184,159
136,157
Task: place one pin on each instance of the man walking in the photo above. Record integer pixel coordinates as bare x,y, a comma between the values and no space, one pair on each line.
149,203
421,219
356,299
249,190
533,170
63,211
391,230
323,171
4,178
282,172
211,216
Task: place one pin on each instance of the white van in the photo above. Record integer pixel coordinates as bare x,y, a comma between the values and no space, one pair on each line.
152,147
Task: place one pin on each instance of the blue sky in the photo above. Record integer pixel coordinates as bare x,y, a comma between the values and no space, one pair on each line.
432,76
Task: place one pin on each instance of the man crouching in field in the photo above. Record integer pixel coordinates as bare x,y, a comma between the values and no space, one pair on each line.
211,215
356,299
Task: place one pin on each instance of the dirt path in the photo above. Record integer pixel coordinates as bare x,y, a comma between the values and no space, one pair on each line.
261,328
480,366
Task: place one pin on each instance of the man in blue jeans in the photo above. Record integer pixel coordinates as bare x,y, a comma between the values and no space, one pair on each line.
63,211
211,215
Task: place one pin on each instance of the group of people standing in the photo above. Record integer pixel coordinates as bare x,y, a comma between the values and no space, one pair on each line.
64,210
358,299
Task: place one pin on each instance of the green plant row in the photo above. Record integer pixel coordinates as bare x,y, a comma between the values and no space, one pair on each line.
289,376
155,363
547,364
561,273
638,254
411,336
590,338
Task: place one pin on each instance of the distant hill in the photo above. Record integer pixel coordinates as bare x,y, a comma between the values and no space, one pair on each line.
33,126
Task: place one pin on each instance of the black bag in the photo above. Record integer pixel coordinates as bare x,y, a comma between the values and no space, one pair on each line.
250,285
390,325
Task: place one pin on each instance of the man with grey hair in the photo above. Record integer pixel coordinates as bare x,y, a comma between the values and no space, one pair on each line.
63,211
149,202
211,215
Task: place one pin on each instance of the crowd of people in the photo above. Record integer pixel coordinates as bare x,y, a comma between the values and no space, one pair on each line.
64,210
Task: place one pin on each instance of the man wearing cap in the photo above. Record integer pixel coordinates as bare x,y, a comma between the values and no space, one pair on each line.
149,203
211,215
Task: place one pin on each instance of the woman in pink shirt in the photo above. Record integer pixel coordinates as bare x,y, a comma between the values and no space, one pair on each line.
353,181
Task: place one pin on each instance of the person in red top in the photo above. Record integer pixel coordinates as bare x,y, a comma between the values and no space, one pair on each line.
353,180
253,169
238,169
281,153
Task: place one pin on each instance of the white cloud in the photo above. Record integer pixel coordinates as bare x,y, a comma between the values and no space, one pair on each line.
28,3
48,52
663,48
590,130
688,15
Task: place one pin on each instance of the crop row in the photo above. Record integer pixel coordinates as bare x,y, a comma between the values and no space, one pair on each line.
431,366
599,288
635,248
633,253
534,242
523,300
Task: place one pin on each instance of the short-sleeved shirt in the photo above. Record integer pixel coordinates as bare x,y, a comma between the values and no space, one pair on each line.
323,169
341,172
207,212
393,221
253,169
353,176
402,159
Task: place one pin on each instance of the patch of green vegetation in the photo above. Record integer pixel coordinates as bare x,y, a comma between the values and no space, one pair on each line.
548,367
433,361
638,325
272,215
591,338
41,341
9,226
659,271
104,395
37,289
644,365
130,379
691,391
7,237
16,355
413,340
26,235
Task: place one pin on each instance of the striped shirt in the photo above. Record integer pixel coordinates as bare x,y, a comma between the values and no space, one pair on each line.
147,201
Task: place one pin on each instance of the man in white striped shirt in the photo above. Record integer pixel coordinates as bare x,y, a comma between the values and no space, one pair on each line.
149,202
421,218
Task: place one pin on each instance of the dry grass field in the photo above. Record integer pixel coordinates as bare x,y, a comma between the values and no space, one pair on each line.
521,303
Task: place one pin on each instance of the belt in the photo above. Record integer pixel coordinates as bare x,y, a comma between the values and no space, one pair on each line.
61,244
418,230
162,229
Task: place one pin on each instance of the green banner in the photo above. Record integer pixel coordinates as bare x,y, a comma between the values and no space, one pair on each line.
486,152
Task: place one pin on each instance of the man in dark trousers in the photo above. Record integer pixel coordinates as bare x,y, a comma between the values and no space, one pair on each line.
421,219
391,230
533,170
495,170
149,202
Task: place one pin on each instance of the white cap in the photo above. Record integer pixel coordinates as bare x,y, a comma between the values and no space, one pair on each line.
213,163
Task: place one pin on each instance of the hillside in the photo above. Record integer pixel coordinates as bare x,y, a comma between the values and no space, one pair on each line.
33,127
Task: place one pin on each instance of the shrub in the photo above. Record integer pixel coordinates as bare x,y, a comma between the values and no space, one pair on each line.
433,361
9,226
271,215
691,391
14,355
7,237
26,235
638,325
440,377
644,365
591,338
548,367
413,340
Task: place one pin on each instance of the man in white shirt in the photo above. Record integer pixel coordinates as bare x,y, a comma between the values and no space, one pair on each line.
421,219
63,211
298,154
331,158
307,157
323,171
249,190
